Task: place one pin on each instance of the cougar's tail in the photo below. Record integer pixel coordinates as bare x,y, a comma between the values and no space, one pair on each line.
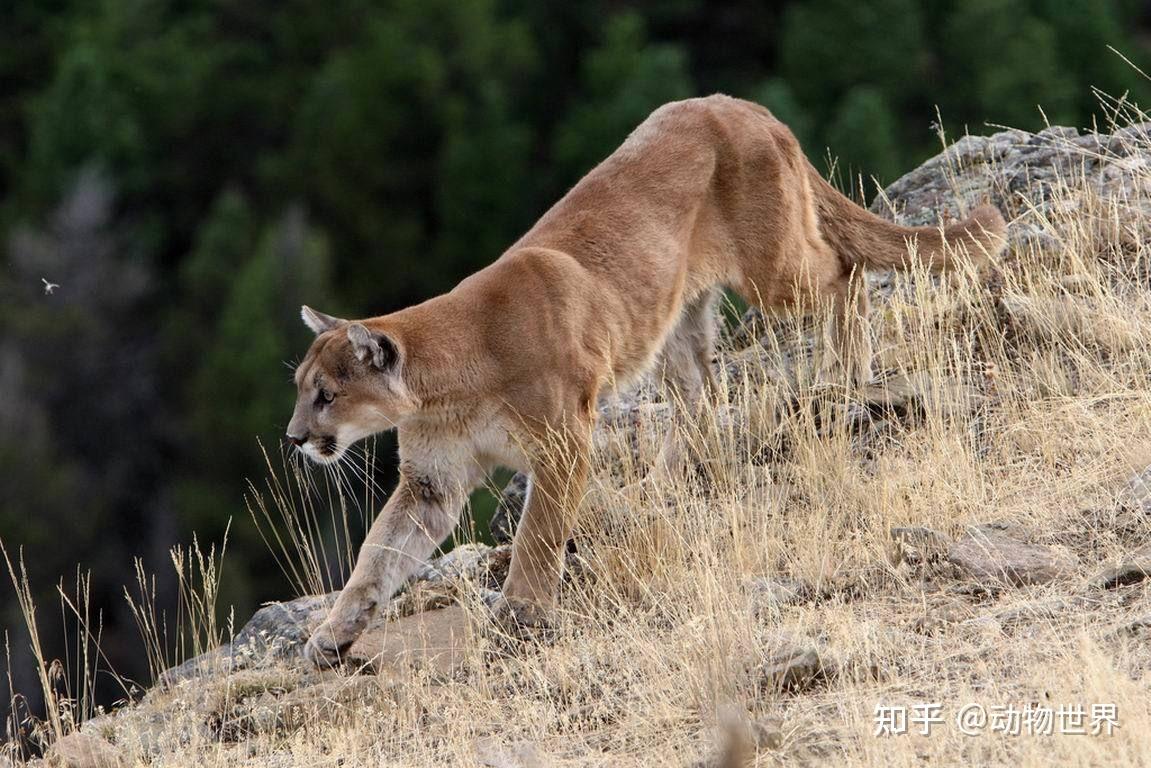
860,237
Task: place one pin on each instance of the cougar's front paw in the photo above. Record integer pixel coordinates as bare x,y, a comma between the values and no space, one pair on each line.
328,646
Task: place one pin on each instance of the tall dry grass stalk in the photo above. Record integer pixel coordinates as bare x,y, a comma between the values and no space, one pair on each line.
311,517
194,627
67,686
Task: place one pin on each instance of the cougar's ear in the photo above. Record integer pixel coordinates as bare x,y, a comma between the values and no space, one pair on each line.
375,348
318,321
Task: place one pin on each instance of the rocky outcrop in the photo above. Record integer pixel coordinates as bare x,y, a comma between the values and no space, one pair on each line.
275,632
1004,167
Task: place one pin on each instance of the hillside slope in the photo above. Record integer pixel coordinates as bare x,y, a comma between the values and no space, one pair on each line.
968,535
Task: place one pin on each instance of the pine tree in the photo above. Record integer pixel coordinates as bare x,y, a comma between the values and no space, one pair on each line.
1003,65
829,46
241,390
862,136
621,82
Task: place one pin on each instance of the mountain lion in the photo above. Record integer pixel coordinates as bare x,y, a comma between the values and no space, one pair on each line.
507,367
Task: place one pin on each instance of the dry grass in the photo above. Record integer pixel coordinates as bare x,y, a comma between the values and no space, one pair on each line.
1028,404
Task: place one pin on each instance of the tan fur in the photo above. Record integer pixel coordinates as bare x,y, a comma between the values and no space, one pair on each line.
507,367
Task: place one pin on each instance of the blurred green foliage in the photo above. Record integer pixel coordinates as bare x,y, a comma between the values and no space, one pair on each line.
191,171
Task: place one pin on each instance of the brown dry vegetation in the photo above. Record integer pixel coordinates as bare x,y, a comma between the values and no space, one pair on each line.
1019,399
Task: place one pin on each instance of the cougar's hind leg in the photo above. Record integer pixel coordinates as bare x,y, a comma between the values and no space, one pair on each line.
849,337
686,372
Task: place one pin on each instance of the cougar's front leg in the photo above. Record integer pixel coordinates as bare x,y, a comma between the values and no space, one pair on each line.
416,519
557,488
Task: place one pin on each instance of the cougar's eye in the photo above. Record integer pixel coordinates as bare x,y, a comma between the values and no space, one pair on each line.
323,397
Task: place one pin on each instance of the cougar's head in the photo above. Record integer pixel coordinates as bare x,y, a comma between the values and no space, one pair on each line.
348,387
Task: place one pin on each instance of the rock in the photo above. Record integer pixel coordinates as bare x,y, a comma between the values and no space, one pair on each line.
939,615
495,753
275,632
1132,569
510,509
1134,504
750,328
766,733
991,557
999,167
278,631
280,711
1039,611
743,740
1031,237
795,665
794,669
917,546
770,594
82,750
1137,494
1057,318
920,393
473,565
465,562
437,640
281,628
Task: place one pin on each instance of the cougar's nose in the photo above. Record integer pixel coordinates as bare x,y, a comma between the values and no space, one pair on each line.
296,440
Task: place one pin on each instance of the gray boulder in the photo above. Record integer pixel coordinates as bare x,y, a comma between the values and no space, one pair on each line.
993,558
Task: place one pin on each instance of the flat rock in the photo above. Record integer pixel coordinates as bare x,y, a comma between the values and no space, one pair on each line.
83,750
278,631
1132,569
435,639
989,556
